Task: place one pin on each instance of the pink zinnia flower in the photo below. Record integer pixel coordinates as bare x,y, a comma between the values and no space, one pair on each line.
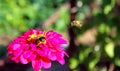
39,48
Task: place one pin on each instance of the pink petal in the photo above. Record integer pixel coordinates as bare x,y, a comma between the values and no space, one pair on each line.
46,63
37,65
41,52
65,53
61,61
18,52
51,33
23,60
33,47
15,59
52,56
16,46
62,41
25,46
20,39
32,57
60,58
29,55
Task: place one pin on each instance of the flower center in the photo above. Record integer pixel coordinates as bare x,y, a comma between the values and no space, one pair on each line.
37,38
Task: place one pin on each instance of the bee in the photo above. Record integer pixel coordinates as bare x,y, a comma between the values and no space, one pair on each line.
76,23
41,39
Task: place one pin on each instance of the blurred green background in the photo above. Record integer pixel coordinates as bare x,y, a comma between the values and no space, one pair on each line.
96,43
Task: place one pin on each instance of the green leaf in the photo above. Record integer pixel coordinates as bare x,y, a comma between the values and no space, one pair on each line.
73,63
109,49
93,60
117,61
107,9
103,28
84,53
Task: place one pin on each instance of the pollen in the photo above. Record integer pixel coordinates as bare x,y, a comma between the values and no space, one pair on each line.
32,36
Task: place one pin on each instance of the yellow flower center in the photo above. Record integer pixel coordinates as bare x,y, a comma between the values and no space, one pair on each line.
33,35
38,39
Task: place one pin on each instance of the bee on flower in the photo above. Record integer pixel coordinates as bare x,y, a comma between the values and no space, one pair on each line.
38,48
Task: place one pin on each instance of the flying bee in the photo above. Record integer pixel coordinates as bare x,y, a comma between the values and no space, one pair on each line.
76,23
